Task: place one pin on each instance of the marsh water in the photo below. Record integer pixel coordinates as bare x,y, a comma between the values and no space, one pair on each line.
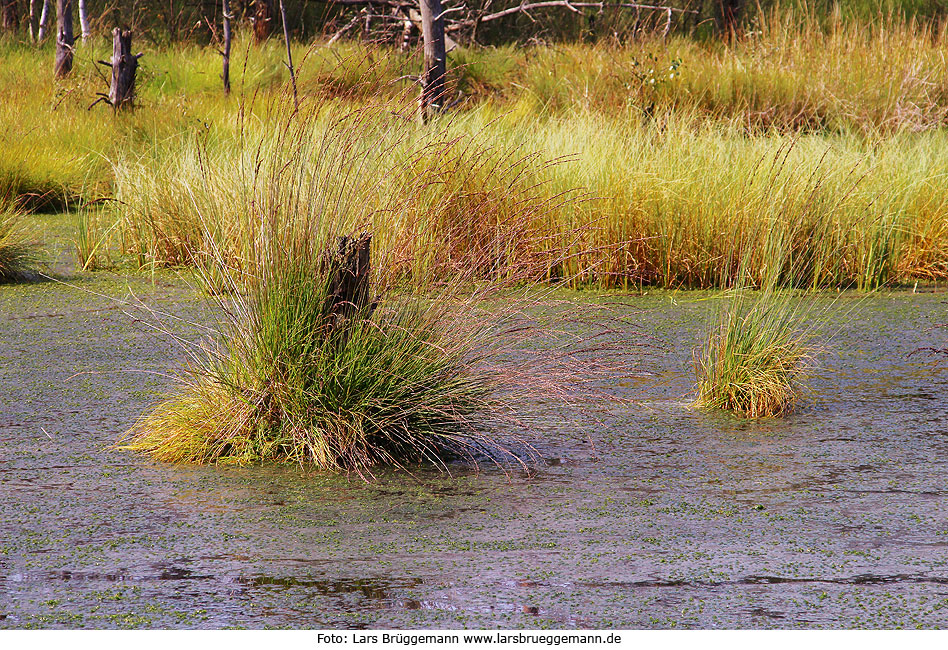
660,516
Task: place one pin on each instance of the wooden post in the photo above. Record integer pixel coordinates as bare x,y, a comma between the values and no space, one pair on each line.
262,20
225,72
64,38
349,270
435,64
124,66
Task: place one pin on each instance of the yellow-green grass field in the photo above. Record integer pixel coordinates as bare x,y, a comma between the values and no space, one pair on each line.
649,162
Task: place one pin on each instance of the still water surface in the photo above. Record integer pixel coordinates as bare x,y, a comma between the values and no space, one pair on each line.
664,516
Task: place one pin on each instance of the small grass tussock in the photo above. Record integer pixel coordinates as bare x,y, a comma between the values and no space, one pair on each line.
756,354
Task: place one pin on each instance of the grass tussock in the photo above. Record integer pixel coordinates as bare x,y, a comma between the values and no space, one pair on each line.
755,357
414,372
399,386
19,257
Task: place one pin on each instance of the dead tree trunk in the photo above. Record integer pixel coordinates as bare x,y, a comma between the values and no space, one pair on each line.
83,21
435,64
32,21
124,66
262,20
64,38
11,17
43,22
225,71
349,274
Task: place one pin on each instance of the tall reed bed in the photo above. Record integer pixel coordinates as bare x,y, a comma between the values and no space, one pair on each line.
665,205
419,372
669,205
793,73
57,151
439,203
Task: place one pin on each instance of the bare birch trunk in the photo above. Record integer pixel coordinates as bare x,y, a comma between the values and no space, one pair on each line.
32,21
64,38
407,27
435,65
225,66
43,22
124,66
83,21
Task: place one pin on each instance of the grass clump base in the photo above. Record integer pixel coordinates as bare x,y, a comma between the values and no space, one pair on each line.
396,382
756,354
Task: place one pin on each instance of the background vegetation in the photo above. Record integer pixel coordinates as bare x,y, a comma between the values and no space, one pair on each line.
677,147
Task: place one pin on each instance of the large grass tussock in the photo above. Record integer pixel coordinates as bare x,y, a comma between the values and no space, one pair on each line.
19,256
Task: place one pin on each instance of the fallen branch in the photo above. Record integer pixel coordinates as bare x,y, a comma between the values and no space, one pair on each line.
572,6
352,23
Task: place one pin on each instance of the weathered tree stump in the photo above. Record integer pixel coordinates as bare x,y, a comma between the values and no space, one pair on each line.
124,66
349,270
262,20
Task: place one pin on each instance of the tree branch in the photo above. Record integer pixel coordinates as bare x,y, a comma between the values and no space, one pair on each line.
527,6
